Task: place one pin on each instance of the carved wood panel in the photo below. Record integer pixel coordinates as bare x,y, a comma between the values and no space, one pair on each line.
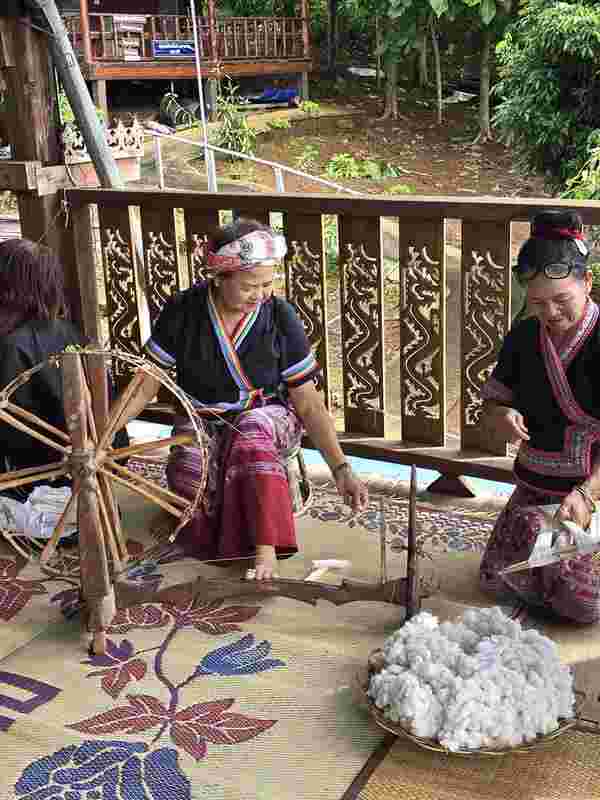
423,331
198,225
121,285
485,321
363,354
160,258
306,283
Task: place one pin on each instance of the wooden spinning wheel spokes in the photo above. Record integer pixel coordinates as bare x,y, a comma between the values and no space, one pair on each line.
89,459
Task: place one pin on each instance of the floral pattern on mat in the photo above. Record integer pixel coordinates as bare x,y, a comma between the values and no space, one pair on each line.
437,528
150,769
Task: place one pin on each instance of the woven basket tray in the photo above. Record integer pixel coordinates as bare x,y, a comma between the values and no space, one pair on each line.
376,663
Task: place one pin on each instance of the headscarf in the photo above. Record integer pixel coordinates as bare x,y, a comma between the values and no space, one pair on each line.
246,253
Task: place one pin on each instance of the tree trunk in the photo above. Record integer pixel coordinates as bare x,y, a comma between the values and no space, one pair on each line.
423,66
332,34
391,90
438,70
485,131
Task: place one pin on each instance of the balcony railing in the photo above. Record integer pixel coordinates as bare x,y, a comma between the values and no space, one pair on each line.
151,244
128,37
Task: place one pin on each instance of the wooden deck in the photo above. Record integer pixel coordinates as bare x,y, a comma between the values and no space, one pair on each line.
144,46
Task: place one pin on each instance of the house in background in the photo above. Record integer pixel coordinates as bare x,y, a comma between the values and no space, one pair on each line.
120,40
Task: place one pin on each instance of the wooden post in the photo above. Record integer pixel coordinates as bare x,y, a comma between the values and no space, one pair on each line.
84,23
212,31
34,136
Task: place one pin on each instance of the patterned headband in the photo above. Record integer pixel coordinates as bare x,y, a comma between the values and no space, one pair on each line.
246,252
550,232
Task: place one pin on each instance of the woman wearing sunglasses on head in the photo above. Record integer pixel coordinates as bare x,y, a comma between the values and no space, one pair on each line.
544,394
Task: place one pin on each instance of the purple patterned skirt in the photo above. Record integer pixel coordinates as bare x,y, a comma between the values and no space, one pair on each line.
570,589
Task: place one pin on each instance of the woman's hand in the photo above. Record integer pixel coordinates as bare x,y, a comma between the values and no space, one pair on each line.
575,509
508,422
351,489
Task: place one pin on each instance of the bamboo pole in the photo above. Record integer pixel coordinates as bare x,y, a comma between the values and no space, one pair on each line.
146,447
21,412
23,473
108,529
141,481
116,414
50,547
39,476
162,503
34,434
106,492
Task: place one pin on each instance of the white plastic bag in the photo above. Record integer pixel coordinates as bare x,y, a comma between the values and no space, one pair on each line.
39,515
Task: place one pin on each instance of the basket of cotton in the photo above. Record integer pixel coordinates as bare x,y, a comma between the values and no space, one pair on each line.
479,686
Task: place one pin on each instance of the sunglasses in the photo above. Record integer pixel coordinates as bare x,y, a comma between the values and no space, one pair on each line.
553,270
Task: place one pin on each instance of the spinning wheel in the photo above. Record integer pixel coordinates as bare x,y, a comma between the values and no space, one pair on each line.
85,454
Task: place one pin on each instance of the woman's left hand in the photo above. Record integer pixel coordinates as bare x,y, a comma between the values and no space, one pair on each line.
352,490
575,509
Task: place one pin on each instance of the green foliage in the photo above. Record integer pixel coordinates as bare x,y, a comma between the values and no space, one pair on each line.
308,159
233,131
67,117
550,87
401,188
344,165
279,123
310,108
585,185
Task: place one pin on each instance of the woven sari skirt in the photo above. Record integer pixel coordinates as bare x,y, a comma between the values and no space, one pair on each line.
569,589
247,500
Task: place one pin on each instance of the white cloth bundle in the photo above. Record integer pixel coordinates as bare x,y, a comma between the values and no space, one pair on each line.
555,535
39,515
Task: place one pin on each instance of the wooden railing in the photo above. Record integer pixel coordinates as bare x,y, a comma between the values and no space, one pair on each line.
115,37
151,245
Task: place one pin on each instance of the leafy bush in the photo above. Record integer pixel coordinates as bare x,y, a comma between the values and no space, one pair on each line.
310,108
233,132
279,123
550,86
344,165
308,159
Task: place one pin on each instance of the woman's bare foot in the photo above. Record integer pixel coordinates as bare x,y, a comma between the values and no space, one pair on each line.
266,563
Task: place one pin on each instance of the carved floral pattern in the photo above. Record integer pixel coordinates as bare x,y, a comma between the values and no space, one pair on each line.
121,296
307,291
421,335
484,328
161,271
361,321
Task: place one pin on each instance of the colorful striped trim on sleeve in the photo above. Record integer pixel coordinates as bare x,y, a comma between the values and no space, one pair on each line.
301,372
159,355
492,389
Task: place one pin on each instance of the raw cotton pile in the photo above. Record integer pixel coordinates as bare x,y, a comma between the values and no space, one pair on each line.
479,683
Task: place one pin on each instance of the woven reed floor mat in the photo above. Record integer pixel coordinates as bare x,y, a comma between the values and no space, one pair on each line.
568,769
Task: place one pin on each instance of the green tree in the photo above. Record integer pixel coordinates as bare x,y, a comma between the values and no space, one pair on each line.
550,87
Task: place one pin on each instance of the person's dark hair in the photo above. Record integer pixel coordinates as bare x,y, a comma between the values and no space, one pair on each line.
235,230
31,284
556,238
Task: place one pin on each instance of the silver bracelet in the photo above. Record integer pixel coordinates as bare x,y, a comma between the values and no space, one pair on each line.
336,470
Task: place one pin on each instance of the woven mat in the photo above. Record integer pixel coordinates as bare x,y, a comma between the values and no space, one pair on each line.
247,699
568,770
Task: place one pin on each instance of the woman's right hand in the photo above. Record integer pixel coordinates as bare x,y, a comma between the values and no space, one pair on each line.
509,423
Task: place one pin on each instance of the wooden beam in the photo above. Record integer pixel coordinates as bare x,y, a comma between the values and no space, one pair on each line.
19,176
85,30
413,207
